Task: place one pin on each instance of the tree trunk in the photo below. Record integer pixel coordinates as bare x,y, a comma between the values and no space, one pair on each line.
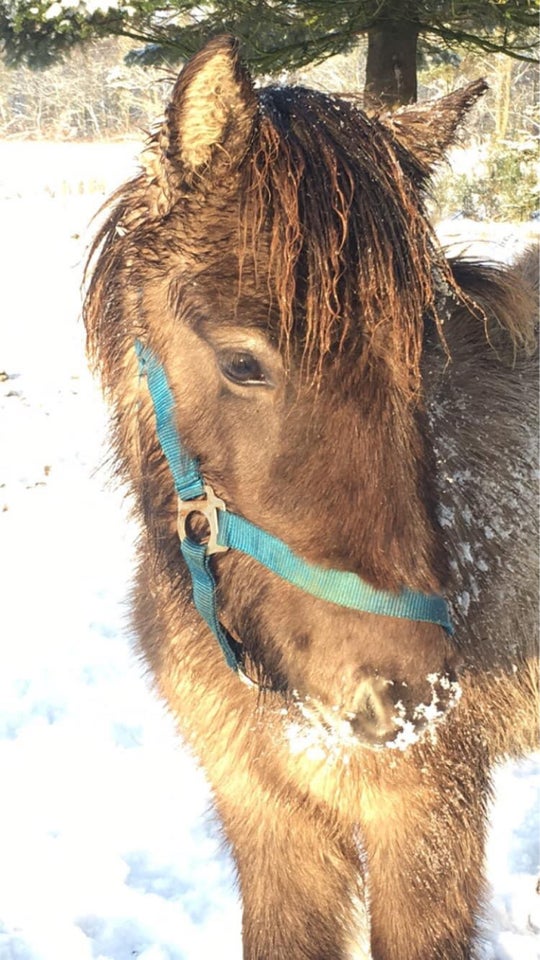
503,97
391,65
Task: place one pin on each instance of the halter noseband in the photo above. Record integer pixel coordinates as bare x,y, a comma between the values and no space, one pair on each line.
230,531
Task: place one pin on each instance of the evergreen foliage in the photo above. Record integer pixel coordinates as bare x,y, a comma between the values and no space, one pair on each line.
275,34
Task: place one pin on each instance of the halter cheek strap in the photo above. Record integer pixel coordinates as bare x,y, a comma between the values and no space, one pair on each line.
229,531
193,496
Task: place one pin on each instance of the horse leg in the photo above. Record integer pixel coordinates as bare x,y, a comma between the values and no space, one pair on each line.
300,880
425,862
300,876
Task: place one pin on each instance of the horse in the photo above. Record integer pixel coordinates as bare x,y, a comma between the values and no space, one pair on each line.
329,431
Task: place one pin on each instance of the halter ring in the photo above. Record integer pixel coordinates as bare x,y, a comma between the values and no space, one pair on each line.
207,505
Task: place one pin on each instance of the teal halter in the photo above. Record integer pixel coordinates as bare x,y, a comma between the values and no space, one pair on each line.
229,531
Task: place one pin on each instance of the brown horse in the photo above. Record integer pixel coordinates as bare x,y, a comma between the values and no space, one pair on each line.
350,392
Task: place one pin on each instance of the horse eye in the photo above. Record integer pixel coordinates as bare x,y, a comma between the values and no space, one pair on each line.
242,368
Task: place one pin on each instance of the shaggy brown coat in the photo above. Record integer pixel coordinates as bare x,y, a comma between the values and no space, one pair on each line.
389,429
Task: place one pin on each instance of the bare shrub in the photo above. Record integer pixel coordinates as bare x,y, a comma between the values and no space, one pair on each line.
91,95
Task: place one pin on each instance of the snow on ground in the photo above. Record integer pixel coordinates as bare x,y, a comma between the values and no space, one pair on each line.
106,851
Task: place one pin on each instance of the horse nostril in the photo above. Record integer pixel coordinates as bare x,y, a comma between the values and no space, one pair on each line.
392,712
372,717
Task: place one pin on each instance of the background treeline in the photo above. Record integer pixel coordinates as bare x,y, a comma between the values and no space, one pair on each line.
90,95
94,95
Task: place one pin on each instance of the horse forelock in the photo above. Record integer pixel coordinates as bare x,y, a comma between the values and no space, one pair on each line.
352,256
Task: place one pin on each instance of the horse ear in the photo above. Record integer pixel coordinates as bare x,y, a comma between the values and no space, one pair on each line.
208,121
212,107
428,129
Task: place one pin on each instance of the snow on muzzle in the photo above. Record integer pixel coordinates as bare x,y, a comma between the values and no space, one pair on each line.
383,713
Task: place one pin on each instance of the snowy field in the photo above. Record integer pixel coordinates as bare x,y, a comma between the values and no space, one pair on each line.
106,848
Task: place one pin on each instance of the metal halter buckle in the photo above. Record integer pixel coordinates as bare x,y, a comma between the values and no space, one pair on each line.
207,505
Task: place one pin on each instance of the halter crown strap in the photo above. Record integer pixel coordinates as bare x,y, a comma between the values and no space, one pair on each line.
231,531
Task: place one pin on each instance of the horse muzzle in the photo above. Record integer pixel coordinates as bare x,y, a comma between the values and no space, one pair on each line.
384,713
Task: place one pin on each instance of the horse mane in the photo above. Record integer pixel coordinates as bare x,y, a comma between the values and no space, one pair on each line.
353,256
332,212
507,298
